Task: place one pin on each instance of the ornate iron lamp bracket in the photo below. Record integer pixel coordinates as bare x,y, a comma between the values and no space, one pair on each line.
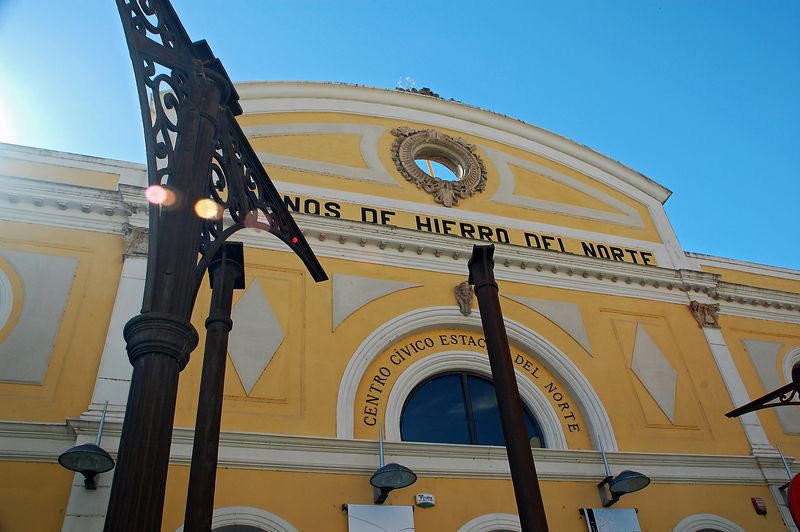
173,75
784,396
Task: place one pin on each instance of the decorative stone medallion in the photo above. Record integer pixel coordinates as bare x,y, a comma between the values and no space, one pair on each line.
455,154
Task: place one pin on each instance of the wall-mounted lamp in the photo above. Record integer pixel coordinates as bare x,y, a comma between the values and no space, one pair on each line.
624,483
389,477
89,459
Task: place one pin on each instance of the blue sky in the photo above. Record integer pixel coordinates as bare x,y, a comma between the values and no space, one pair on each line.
701,96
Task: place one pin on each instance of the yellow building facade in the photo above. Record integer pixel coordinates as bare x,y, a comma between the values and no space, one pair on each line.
621,341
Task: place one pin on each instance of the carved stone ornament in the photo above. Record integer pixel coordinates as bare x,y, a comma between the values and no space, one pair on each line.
707,315
455,154
464,295
136,241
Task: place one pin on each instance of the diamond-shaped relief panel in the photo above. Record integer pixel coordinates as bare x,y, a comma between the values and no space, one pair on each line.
256,336
655,372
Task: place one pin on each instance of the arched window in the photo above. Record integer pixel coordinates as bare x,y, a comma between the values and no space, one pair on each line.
458,408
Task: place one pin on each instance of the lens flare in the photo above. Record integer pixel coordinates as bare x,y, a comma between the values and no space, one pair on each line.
208,209
159,195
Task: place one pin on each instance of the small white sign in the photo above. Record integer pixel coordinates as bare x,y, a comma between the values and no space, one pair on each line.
424,500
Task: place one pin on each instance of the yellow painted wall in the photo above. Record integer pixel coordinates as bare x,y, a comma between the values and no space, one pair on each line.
341,149
70,378
754,279
59,174
34,496
298,392
313,502
737,329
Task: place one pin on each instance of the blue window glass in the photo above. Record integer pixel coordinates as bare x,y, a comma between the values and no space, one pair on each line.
458,408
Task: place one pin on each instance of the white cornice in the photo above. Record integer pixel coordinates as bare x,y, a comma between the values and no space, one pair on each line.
69,206
748,267
300,96
128,172
61,205
44,442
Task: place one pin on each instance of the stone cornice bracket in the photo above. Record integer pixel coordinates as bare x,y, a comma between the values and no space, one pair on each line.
706,314
136,240
455,154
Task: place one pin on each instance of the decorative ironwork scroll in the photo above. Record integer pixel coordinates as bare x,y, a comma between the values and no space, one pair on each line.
788,395
171,74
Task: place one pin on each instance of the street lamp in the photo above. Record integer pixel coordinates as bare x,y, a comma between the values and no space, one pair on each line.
389,477
626,482
89,459
199,155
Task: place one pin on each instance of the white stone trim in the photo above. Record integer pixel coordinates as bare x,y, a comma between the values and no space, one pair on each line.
249,516
697,522
114,374
6,298
375,171
478,363
744,266
44,442
134,173
505,192
751,424
281,97
491,523
791,358
589,403
660,252
302,96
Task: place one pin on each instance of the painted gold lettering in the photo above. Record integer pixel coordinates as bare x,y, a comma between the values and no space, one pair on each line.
447,225
532,236
502,235
424,226
467,230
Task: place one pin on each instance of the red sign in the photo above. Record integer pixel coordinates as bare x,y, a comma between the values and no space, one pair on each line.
794,499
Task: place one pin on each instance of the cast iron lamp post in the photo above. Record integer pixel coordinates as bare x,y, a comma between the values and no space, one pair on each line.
530,506
196,152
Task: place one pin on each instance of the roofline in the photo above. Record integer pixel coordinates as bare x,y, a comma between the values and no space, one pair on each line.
744,266
344,91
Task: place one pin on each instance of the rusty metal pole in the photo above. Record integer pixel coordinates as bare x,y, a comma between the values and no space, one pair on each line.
520,456
226,274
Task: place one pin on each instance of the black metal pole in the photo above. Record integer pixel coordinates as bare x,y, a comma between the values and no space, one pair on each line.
226,273
160,339
195,150
520,457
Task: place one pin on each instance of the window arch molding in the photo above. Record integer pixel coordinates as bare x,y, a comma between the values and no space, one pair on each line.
477,363
247,515
492,522
698,522
417,320
790,359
